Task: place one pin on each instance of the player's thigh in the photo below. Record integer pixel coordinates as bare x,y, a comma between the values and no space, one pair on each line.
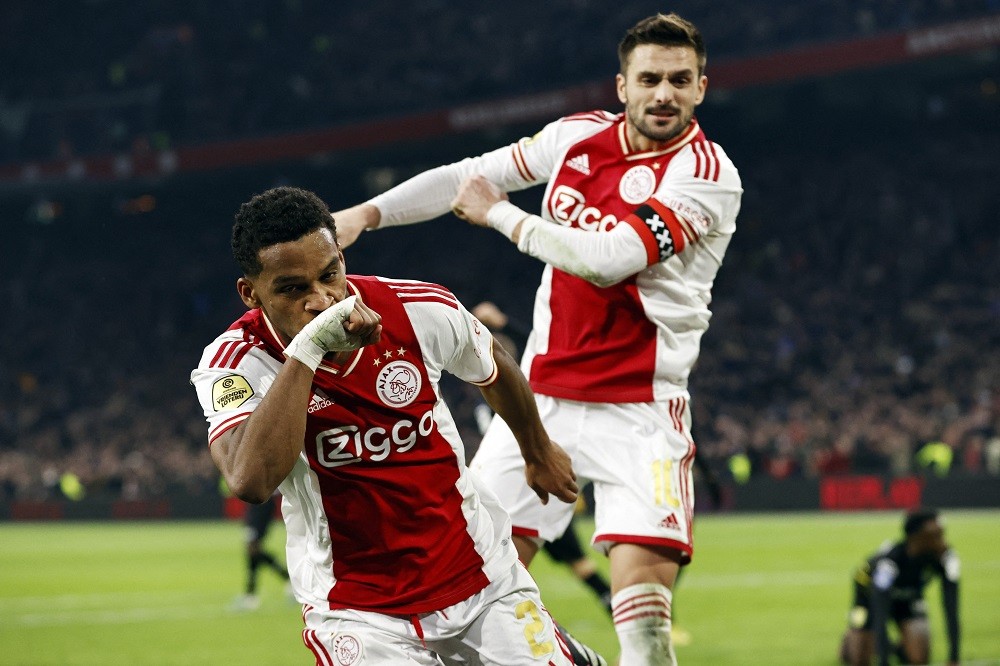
915,637
351,637
566,548
639,458
513,629
499,465
859,647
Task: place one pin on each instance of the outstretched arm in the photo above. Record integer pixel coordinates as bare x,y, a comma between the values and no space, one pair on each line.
884,574
547,467
351,222
429,194
949,597
600,258
880,617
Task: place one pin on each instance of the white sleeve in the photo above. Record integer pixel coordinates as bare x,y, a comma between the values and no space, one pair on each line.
229,393
452,339
951,565
529,161
698,197
702,188
601,258
885,574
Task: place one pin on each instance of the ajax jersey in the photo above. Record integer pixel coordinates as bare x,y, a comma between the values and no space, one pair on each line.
636,340
380,509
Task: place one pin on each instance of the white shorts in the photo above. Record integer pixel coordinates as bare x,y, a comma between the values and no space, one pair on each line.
505,624
638,456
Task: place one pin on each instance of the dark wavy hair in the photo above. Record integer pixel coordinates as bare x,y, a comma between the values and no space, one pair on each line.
916,519
279,215
664,30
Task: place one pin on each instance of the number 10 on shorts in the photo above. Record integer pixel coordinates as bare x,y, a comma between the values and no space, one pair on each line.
664,488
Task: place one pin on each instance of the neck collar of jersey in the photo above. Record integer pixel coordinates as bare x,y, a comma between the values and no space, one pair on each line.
672,146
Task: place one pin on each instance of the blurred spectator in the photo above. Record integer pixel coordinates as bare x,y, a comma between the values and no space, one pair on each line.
857,317
161,73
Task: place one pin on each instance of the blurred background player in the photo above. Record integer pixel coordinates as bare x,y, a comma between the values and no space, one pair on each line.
636,218
257,519
890,585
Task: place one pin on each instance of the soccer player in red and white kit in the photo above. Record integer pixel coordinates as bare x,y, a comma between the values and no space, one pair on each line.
327,388
637,214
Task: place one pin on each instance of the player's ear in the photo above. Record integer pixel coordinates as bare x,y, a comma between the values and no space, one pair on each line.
620,87
247,292
702,87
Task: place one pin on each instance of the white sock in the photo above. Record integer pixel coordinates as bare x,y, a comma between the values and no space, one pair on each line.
642,622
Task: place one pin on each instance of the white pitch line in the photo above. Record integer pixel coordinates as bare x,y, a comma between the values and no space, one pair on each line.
64,601
797,578
768,579
131,615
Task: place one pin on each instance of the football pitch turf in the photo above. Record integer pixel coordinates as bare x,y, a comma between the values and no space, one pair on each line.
763,589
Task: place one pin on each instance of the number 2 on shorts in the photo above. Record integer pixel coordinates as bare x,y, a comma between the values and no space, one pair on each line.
534,628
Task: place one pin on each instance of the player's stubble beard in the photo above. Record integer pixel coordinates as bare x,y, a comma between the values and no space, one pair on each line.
638,119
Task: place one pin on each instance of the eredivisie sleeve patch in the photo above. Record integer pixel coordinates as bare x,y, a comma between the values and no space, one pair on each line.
230,392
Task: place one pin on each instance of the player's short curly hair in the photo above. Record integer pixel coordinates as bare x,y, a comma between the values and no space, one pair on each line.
916,519
279,215
663,30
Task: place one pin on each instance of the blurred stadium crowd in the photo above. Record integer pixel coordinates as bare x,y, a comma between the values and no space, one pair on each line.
857,316
156,74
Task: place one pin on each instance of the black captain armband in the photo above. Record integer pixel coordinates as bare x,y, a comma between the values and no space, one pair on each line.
667,232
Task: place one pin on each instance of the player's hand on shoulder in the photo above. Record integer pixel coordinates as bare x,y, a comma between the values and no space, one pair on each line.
350,222
552,473
475,197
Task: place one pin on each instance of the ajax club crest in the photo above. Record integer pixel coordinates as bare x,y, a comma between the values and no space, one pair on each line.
398,383
637,185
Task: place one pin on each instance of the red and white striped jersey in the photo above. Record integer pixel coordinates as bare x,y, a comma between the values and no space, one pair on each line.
635,340
381,512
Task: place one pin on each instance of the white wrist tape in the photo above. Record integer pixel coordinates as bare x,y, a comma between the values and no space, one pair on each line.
505,216
324,334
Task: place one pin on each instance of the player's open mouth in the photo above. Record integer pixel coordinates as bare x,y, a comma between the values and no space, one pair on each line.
663,115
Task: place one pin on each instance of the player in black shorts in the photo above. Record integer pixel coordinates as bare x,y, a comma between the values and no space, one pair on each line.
257,519
890,585
567,550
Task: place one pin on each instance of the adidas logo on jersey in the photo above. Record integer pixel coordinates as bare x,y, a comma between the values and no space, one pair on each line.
317,402
580,163
670,523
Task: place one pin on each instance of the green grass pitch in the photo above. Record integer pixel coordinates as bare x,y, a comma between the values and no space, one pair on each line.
763,589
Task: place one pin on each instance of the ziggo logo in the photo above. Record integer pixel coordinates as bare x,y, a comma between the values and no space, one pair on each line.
568,207
345,445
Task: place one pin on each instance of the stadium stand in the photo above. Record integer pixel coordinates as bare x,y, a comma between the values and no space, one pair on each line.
857,317
164,73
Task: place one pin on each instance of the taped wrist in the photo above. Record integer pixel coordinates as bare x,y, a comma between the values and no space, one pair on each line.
505,216
323,334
